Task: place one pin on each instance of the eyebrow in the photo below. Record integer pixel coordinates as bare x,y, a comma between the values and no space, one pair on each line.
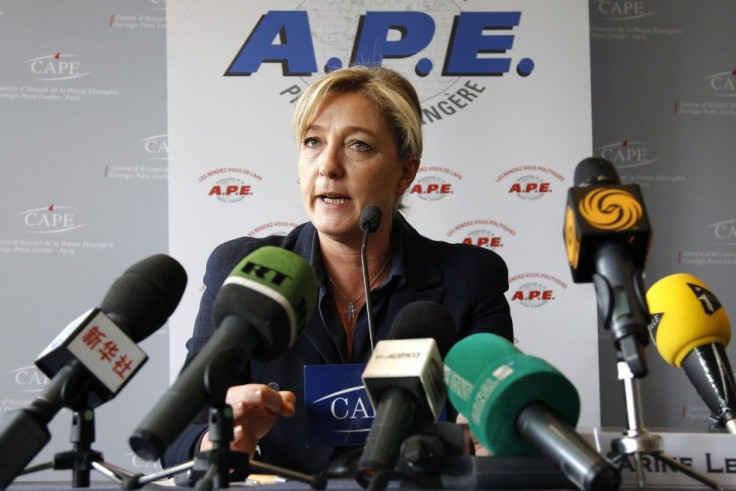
349,129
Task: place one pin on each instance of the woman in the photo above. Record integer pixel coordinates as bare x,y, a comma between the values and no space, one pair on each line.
359,131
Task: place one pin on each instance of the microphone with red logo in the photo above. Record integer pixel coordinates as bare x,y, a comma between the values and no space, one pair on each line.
607,236
94,357
403,379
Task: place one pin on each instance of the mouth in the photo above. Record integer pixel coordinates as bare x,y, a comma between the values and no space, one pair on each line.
333,199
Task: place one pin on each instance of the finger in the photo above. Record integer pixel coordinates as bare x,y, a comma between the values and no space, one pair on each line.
258,397
264,398
238,434
242,441
288,406
235,397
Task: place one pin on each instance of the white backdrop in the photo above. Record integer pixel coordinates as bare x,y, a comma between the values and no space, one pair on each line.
499,151
86,143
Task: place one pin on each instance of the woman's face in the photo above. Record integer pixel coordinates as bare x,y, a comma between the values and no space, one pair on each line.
348,159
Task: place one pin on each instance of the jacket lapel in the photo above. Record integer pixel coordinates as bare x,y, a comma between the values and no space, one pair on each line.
423,275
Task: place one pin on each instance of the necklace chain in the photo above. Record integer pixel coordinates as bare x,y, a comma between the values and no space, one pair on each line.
350,310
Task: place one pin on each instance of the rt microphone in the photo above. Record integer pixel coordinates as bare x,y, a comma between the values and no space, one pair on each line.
260,309
691,330
518,404
370,220
94,356
403,379
607,237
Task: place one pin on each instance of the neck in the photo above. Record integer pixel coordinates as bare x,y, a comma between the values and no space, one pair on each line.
343,256
343,263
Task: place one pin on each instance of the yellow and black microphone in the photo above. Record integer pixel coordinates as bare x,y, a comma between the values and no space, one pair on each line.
607,235
691,330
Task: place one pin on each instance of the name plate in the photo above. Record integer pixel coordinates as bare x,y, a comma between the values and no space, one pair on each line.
339,411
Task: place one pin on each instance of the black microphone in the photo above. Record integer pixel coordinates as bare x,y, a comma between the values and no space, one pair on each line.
94,356
403,379
262,306
370,220
607,235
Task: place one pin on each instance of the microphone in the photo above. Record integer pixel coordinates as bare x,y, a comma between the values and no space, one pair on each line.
403,379
518,404
607,235
94,356
691,330
370,219
262,306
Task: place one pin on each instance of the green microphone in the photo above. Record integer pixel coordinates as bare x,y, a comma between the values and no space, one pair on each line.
259,311
275,291
517,404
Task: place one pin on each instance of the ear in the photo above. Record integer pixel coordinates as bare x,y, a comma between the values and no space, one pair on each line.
409,168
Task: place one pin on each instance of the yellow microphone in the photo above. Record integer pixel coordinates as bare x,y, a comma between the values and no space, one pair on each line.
691,330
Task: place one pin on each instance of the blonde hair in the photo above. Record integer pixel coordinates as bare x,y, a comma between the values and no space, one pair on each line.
393,95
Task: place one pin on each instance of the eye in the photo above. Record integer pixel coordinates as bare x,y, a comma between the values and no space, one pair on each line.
310,142
361,146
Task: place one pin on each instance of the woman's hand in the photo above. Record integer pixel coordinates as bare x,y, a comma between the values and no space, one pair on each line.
256,408
480,450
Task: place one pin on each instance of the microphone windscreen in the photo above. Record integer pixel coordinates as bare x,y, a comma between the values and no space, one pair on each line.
425,319
685,315
145,295
595,171
273,289
370,218
490,382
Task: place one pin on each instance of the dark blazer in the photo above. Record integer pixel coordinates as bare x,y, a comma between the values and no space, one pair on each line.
468,280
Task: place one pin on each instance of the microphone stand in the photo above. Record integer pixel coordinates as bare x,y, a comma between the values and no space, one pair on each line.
441,456
367,286
637,441
622,310
82,458
214,467
370,219
422,453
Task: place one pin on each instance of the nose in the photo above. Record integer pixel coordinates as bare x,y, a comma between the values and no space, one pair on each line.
330,162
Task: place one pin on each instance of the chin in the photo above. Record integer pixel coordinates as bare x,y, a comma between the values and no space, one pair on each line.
336,230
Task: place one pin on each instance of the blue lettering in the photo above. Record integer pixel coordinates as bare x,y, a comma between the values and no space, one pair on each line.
468,40
478,45
372,44
294,51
